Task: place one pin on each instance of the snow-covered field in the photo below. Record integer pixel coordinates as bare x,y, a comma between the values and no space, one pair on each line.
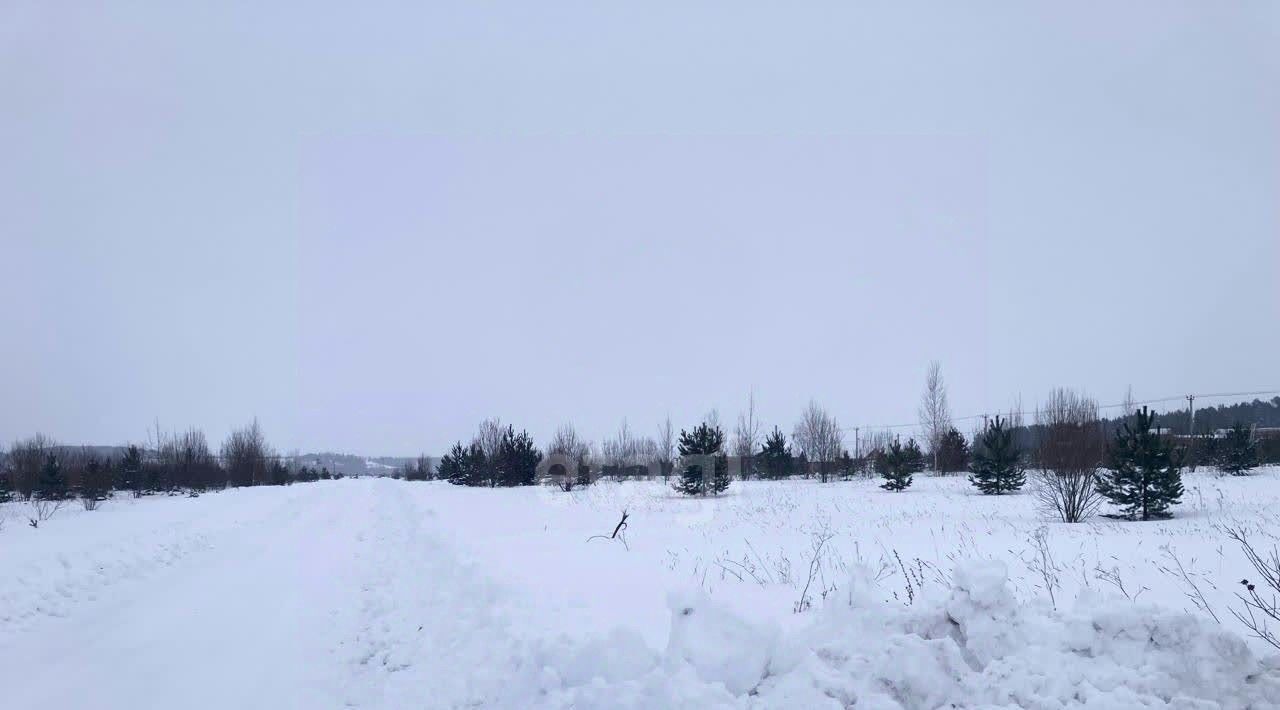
380,593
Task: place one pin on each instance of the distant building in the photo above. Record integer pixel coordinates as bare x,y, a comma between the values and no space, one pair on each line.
1259,432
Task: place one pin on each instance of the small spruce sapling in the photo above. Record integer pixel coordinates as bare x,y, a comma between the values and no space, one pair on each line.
1145,477
1237,453
953,452
704,440
775,459
899,463
52,483
997,463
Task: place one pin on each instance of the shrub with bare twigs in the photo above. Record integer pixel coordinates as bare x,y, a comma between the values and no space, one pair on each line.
26,456
1068,454
569,459
1260,604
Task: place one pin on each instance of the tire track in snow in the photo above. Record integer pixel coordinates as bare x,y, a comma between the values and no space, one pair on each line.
431,633
251,621
52,572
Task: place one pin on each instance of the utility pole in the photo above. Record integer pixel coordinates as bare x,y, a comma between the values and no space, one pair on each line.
857,450
1191,415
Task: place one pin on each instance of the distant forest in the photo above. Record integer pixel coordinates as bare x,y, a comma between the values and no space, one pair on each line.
1208,420
1222,416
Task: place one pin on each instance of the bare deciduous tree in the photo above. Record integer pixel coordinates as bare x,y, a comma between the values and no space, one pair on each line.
665,448
489,437
1128,406
619,451
647,455
746,437
26,456
94,484
567,443
1069,450
1016,417
817,435
935,412
247,456
185,461
873,446
627,455
6,481
418,469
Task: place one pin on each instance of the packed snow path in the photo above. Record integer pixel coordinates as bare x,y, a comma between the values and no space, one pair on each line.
312,596
362,594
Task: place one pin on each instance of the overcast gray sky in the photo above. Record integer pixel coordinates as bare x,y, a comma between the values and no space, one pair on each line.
373,224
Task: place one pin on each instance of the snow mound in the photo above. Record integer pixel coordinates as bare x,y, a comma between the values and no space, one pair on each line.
975,647
719,646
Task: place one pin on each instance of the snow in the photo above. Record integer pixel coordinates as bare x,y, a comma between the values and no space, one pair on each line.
717,644
376,593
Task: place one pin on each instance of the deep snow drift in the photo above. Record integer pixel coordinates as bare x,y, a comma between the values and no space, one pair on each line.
387,594
974,648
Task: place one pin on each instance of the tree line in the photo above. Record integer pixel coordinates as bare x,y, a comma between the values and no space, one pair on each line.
48,475
1075,457
1203,443
1075,466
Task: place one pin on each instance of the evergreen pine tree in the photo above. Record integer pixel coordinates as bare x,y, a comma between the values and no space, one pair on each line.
52,482
450,466
153,477
517,460
898,463
704,440
1145,477
6,484
476,466
953,452
845,466
463,465
914,457
584,477
279,474
879,461
1206,451
95,484
775,460
997,463
129,471
1237,453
